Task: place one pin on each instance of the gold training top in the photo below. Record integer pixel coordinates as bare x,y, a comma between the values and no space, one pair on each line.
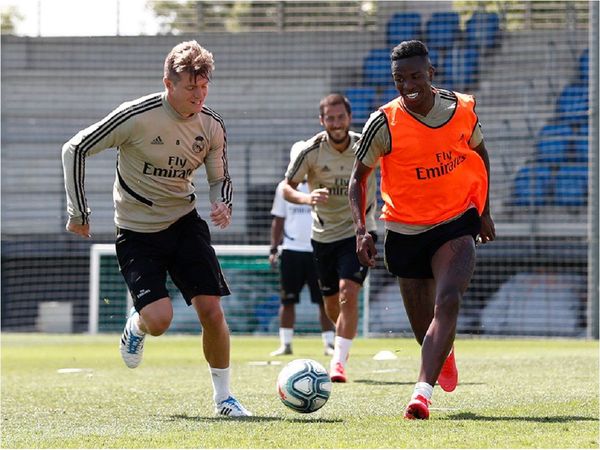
325,167
159,152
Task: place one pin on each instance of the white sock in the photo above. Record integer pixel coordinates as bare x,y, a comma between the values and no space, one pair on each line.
220,381
328,337
341,350
424,389
286,335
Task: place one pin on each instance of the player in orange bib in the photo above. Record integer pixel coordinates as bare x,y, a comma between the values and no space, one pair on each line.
435,188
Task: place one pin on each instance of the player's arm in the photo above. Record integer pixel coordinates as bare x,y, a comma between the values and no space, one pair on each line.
373,144
87,142
357,193
220,187
292,195
276,238
488,230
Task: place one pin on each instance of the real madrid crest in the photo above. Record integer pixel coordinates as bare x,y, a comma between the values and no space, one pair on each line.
199,144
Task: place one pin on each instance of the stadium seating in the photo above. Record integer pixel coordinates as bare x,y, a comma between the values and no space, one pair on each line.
442,30
571,186
434,57
533,186
581,144
572,104
553,143
460,68
363,101
403,26
483,30
584,66
377,68
387,95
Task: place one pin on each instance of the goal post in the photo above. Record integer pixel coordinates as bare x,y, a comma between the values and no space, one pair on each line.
252,307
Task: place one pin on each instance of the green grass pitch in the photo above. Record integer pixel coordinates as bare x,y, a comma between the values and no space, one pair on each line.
512,394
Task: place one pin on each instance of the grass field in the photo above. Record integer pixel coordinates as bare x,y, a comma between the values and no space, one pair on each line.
512,394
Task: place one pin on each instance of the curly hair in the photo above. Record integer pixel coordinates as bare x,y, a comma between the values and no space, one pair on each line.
189,57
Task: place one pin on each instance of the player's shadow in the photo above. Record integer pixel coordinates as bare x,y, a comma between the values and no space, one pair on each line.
400,383
177,417
545,419
384,383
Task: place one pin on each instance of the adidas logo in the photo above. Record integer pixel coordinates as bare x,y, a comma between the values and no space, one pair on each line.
157,140
326,169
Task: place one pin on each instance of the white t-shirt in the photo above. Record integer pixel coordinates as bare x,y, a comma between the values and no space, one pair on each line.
298,220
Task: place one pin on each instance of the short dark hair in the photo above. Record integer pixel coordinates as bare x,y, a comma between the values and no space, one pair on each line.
408,49
334,99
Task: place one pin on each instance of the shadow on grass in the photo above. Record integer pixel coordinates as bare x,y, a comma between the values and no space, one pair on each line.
384,383
176,417
547,419
401,383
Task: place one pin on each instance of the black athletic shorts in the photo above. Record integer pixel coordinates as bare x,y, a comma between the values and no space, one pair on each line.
183,250
409,256
337,260
296,270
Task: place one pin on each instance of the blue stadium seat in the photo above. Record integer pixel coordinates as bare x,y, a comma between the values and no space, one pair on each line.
442,30
584,66
552,149
377,67
532,186
581,148
557,129
387,95
403,26
571,186
460,68
362,99
572,104
434,57
554,143
483,30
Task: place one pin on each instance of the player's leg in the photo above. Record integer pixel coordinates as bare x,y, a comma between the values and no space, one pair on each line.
406,257
291,282
216,347
452,265
143,263
215,332
197,273
351,277
418,295
287,317
327,326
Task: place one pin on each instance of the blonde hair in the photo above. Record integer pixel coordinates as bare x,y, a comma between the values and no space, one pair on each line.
188,57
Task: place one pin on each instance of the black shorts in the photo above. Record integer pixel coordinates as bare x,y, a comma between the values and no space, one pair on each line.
297,269
183,250
409,256
337,260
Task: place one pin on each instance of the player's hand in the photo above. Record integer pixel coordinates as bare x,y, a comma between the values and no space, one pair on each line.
220,215
319,196
273,260
365,249
77,228
488,229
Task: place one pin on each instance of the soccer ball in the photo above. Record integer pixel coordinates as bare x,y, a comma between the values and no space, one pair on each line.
304,385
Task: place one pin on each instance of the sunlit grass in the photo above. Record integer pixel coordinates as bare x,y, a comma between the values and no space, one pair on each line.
513,393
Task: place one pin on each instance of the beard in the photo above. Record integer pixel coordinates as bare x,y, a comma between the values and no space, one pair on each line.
341,140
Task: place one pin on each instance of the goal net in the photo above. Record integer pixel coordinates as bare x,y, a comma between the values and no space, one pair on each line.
252,307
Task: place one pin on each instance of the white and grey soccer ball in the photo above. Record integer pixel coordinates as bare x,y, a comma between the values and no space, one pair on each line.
304,385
